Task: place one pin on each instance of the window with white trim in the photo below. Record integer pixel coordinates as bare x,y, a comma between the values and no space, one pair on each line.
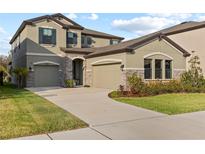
168,69
147,68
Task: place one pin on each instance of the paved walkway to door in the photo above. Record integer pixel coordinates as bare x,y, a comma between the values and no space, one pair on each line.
109,119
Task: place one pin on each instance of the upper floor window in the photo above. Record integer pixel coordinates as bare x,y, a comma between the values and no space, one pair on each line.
82,39
47,36
72,38
86,41
89,40
114,42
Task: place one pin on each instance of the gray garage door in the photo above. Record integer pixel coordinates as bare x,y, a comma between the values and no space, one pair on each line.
46,76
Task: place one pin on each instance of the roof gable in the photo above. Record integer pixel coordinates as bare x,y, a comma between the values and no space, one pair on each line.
56,18
129,46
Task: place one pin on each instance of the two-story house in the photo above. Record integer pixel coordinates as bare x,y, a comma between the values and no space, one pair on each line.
53,47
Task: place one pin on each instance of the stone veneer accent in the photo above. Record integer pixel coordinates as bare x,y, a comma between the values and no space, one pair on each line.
68,69
127,73
140,73
177,73
88,77
30,79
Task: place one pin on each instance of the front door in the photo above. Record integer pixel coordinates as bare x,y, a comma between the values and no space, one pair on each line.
78,71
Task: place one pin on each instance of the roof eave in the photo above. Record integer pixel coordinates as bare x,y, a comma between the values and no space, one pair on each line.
127,49
20,29
184,30
177,46
101,36
69,20
69,50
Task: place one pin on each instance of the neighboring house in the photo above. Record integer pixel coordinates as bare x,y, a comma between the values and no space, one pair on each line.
101,60
53,47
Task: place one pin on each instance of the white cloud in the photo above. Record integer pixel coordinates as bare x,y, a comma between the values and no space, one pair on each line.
201,18
178,16
72,16
93,16
2,31
151,22
143,25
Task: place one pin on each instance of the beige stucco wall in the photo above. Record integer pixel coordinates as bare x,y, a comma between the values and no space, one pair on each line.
192,41
99,42
19,52
162,49
64,21
33,34
20,38
134,62
105,59
156,50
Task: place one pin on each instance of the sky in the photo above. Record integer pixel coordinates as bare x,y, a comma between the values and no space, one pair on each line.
125,25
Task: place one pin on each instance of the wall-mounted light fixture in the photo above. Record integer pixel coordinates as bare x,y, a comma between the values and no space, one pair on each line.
122,66
30,68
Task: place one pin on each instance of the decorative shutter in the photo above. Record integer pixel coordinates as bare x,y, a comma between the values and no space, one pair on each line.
40,35
54,36
75,37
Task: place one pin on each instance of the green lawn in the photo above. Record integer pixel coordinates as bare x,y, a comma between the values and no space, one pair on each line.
23,113
168,103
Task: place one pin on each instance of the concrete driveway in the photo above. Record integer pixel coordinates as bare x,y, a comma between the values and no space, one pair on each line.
109,119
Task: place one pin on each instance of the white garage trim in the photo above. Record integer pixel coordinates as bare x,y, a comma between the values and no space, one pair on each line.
46,62
178,69
107,61
141,69
42,54
157,53
78,57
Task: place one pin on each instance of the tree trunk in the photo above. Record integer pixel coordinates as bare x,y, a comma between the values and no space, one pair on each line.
1,78
22,81
19,82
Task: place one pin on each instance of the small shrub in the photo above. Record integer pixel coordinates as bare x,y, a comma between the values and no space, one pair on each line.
173,86
136,84
194,76
114,94
154,88
87,86
21,74
70,83
121,88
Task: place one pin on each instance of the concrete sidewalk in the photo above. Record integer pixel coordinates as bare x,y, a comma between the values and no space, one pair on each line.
79,134
109,119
